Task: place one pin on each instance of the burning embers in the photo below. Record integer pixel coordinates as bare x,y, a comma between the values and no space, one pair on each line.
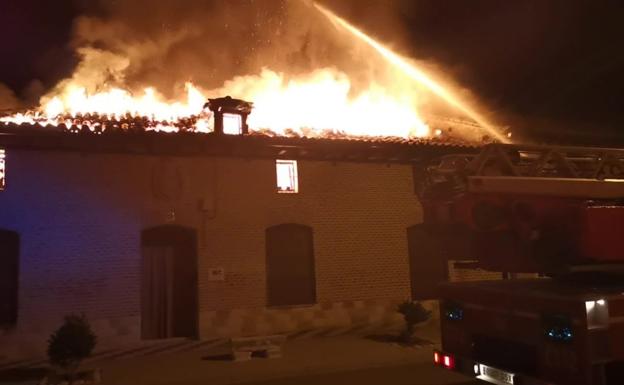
116,110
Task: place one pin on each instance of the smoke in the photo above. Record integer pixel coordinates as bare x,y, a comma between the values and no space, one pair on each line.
139,43
8,100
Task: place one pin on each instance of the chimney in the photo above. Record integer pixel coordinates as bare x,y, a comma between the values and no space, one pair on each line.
230,115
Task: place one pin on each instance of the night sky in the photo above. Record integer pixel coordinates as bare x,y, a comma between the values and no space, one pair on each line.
559,61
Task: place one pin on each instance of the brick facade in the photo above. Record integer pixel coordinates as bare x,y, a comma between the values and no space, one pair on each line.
80,219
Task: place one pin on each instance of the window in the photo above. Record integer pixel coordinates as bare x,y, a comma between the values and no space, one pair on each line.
232,124
2,170
291,278
9,267
287,180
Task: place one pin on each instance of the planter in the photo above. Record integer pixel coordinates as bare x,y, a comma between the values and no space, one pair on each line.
83,377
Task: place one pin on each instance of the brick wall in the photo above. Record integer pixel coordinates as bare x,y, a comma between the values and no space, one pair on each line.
80,219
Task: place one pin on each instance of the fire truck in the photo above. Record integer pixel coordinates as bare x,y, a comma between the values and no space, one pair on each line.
555,215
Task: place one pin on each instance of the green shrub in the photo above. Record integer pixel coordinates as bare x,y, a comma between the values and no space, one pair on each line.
413,314
70,344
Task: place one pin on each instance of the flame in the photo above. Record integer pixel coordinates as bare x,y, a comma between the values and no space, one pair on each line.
413,72
322,102
312,105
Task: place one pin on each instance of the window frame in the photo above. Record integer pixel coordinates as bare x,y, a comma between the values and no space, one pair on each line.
293,176
227,117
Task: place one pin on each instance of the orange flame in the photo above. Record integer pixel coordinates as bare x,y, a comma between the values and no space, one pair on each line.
321,102
310,105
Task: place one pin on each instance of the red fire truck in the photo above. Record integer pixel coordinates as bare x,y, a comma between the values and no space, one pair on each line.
556,214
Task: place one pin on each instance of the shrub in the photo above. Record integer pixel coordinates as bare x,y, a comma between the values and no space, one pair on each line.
413,313
70,344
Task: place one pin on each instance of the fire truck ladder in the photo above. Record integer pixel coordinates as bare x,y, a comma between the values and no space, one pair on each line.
578,172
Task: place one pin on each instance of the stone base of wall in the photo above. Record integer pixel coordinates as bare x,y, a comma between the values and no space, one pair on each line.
348,317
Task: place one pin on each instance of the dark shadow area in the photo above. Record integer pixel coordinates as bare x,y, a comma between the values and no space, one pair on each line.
614,373
218,357
395,339
9,277
17,375
398,375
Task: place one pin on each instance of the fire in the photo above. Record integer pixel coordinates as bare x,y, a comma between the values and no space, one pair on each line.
312,105
321,103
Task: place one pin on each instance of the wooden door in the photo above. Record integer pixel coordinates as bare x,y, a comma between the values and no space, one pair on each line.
291,278
169,283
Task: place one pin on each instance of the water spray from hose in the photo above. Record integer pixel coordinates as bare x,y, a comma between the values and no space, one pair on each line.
413,72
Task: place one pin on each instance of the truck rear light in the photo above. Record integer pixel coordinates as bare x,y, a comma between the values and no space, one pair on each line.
449,362
446,360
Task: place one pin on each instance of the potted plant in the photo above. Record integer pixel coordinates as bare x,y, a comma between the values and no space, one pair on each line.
413,314
68,346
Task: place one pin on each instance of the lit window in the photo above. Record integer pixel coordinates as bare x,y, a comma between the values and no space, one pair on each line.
287,181
2,170
232,124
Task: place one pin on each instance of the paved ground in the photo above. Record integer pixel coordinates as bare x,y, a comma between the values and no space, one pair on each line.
342,359
327,360
390,375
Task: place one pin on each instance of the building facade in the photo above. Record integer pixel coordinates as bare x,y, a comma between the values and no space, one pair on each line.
154,246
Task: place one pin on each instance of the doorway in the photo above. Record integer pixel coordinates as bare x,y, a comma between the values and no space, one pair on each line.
169,303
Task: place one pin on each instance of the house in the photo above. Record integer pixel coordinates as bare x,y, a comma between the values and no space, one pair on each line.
156,236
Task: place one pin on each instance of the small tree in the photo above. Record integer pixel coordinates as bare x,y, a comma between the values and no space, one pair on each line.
70,344
413,313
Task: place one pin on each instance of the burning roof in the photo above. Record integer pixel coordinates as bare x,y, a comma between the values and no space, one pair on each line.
225,133
254,145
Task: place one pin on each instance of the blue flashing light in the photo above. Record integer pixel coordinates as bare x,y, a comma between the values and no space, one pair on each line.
558,328
560,333
454,314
